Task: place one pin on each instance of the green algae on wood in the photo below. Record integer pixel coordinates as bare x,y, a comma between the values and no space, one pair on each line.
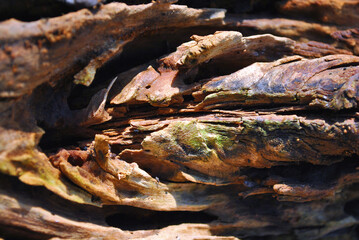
221,148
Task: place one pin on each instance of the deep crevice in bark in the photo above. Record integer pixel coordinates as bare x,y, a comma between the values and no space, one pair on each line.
137,219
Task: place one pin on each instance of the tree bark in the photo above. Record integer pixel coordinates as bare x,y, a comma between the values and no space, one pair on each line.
162,121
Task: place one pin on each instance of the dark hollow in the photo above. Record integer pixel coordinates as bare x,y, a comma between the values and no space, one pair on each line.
147,219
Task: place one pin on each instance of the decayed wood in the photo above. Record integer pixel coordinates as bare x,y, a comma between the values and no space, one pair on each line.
37,218
350,37
259,133
305,31
336,11
48,50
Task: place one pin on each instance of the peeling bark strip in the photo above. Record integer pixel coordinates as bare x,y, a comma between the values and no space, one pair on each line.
330,82
229,135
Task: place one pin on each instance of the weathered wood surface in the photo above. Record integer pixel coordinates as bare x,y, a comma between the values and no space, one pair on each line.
49,50
221,136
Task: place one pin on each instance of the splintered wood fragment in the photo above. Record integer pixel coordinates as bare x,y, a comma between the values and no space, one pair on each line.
203,49
114,181
110,179
95,112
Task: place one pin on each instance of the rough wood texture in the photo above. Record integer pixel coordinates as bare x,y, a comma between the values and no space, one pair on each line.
335,11
49,50
223,135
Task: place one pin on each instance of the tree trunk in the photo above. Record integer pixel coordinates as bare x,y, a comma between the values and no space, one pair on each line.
216,120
